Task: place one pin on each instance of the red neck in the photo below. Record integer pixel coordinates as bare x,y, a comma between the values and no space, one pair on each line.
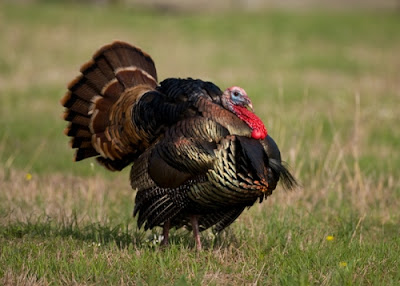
252,120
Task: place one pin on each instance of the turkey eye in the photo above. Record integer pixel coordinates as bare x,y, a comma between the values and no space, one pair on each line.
236,93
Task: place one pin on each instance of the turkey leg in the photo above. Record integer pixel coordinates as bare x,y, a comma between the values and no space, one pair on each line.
166,227
196,233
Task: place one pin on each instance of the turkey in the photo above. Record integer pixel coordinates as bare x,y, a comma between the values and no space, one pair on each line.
199,155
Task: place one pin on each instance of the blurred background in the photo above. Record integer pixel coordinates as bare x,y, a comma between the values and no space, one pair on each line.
206,5
324,76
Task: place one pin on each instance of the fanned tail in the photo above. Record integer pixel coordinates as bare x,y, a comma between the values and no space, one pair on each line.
99,104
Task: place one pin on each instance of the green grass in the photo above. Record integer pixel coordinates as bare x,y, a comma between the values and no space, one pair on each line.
324,82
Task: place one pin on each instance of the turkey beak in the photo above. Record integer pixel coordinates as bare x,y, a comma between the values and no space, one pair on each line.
249,105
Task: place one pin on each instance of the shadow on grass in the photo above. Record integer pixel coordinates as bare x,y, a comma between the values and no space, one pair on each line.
123,235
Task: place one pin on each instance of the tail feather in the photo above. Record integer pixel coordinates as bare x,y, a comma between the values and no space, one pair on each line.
132,76
81,88
288,180
99,102
95,76
76,104
112,89
84,153
104,66
119,54
76,131
76,118
80,143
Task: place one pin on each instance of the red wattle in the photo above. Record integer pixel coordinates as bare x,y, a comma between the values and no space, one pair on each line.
257,134
258,129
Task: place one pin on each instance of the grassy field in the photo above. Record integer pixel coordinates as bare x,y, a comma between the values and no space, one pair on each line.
327,85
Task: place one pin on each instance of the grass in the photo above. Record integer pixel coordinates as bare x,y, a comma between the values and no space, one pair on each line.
326,85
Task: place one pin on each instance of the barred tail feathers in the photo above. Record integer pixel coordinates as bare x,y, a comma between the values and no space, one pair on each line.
99,103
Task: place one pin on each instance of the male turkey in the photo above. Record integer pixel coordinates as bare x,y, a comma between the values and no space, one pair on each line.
199,155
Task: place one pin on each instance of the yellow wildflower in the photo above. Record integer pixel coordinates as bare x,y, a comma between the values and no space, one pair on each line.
28,176
343,264
330,238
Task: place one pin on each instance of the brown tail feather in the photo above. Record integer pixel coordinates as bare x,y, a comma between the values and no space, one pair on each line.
99,103
121,54
79,142
75,104
83,153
